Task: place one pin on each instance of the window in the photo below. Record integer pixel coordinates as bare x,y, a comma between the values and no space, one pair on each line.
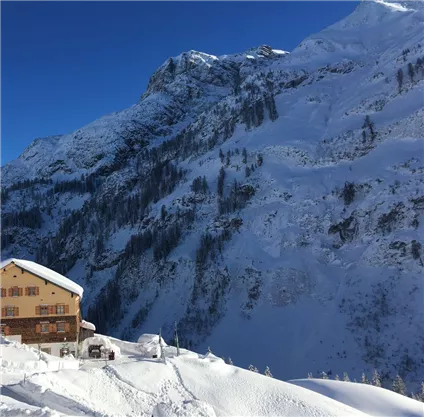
3,292
44,327
60,309
15,292
10,312
60,326
31,291
44,310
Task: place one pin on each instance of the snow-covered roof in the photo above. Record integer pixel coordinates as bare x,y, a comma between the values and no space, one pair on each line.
88,325
46,274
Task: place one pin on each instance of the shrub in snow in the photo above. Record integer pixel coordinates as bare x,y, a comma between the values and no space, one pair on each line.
399,386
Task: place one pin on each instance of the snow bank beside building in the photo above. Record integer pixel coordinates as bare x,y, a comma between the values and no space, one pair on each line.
22,358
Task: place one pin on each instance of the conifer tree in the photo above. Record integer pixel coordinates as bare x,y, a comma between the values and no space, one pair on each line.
346,377
267,372
364,378
244,156
337,378
309,375
411,72
229,361
398,385
399,77
221,177
253,368
376,379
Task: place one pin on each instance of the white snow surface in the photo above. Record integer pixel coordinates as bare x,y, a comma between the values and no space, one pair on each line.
379,402
183,386
87,325
17,357
45,273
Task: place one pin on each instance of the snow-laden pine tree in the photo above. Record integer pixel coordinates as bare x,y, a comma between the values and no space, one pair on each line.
376,379
324,375
267,372
253,368
309,375
229,361
364,378
337,378
346,377
398,385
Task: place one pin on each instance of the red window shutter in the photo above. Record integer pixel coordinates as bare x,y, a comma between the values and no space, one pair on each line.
52,310
26,291
3,311
16,312
67,327
37,310
52,328
21,292
37,328
66,309
10,292
37,291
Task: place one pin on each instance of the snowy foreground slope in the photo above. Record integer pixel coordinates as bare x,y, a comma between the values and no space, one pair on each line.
248,194
188,385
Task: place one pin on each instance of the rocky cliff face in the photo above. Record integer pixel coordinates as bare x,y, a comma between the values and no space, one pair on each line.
249,194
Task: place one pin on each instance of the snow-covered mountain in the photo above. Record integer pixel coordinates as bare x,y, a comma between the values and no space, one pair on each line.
247,193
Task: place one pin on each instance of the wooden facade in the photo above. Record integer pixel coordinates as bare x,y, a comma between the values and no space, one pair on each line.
30,329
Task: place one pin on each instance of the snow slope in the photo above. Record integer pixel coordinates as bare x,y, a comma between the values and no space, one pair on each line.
371,400
326,251
136,385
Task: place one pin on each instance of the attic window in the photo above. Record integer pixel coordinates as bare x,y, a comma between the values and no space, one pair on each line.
22,270
72,295
45,281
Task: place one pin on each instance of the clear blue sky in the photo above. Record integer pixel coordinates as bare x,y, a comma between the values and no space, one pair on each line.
65,64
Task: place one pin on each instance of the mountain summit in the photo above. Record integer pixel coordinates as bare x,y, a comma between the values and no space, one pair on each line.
249,192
